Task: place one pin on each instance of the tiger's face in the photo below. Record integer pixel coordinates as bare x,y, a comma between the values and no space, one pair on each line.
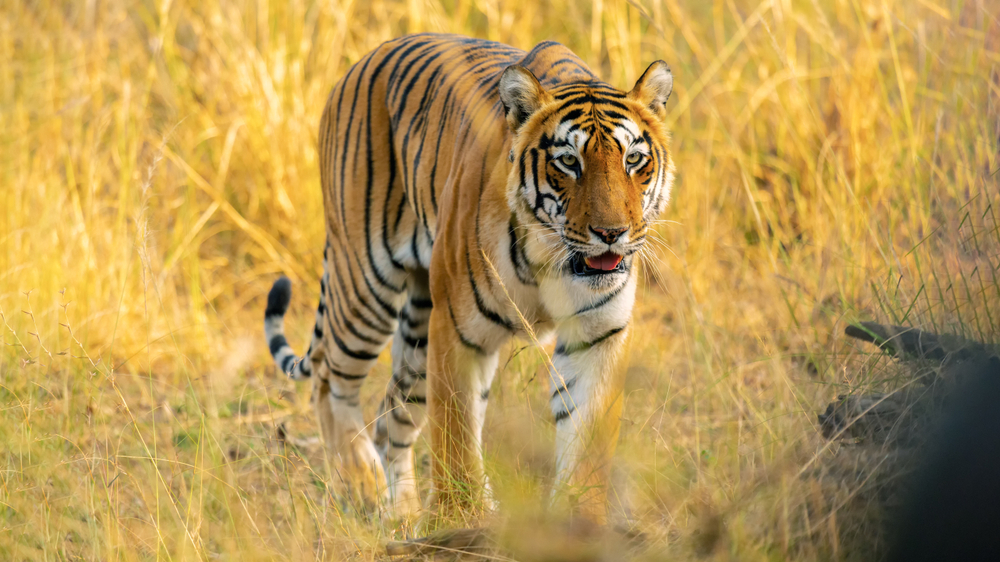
591,166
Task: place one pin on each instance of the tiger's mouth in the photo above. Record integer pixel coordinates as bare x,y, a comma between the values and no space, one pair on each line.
608,262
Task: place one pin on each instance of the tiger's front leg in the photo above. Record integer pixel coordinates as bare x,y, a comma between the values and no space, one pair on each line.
587,381
459,373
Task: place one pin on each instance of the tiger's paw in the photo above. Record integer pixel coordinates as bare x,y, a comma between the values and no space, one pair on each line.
357,475
451,509
403,498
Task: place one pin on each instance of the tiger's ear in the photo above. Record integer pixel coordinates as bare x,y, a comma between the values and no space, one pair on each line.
521,95
653,87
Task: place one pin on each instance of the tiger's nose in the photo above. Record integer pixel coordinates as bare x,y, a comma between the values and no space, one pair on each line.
609,235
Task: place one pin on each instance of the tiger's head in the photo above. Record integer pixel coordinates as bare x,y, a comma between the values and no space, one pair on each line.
591,168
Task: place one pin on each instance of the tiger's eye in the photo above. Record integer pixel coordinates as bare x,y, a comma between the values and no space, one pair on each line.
568,160
633,159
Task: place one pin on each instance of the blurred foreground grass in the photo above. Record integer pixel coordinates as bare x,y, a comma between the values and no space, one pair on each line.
837,161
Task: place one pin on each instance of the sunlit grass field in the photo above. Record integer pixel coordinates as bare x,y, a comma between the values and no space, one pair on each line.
837,162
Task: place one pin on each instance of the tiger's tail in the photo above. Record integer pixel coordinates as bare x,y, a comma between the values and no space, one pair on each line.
297,368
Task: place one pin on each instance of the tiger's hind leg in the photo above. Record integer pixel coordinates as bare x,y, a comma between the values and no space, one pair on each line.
403,410
359,321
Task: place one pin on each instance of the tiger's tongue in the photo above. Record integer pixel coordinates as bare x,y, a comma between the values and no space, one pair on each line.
605,262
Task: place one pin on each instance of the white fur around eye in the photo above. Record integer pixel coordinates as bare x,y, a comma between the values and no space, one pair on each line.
626,133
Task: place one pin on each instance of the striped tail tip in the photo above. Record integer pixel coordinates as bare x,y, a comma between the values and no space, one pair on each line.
274,330
278,298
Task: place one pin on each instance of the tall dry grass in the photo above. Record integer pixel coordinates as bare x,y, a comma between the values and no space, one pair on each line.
837,161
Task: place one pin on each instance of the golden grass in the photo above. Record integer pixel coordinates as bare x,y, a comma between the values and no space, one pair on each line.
837,161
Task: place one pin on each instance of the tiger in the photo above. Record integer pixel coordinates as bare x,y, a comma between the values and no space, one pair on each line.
474,192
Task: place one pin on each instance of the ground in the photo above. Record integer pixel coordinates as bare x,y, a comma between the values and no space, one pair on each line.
837,162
